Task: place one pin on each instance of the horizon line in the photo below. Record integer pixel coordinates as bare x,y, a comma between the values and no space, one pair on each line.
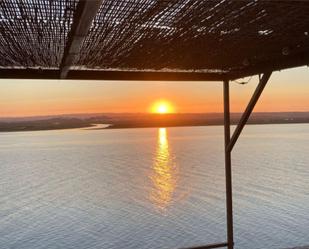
134,113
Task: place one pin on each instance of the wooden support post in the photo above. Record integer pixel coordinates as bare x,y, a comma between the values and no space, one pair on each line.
86,11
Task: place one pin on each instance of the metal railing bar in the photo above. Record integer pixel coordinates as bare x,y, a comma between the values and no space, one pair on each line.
210,246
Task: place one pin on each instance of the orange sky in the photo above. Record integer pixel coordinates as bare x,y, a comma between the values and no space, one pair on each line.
286,91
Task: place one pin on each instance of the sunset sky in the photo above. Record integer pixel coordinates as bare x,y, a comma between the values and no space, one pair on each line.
286,91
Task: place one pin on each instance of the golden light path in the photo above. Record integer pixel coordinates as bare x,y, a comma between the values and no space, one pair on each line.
165,174
162,107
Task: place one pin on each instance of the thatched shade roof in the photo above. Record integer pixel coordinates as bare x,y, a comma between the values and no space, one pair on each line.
34,32
209,39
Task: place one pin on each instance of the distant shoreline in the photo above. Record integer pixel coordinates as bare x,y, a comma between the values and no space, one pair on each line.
115,127
126,121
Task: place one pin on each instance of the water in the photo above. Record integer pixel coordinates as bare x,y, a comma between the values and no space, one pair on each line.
153,188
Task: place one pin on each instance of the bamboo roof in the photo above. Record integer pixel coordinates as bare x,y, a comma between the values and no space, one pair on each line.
151,39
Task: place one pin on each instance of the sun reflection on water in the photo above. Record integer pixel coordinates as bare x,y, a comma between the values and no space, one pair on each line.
164,175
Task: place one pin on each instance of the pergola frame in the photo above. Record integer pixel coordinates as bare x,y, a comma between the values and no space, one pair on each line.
85,13
229,142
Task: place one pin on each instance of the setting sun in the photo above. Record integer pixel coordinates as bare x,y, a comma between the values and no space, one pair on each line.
162,107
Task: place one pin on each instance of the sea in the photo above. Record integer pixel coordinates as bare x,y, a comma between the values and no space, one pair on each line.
153,188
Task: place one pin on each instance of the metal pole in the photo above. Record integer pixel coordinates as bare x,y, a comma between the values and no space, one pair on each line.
228,171
244,118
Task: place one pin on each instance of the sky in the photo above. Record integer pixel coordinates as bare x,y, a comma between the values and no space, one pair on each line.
287,90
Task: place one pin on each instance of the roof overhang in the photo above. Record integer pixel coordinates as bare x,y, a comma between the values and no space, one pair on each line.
158,41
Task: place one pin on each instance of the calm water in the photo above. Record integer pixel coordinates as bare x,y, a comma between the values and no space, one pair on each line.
152,188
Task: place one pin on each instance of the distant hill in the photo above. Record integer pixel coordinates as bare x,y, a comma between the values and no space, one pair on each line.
135,120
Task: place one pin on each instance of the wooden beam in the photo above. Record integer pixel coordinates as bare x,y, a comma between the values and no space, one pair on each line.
86,11
29,74
290,62
286,62
109,75
144,76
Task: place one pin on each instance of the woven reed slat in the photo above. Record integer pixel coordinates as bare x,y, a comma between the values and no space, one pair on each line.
177,35
33,33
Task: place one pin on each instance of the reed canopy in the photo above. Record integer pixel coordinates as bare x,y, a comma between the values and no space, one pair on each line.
151,39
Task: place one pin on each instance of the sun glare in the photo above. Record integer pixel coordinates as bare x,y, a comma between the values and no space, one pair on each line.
162,107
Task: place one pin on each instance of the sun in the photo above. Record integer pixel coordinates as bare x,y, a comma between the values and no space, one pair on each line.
162,107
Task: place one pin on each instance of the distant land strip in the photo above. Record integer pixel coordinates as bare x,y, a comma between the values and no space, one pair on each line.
140,120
